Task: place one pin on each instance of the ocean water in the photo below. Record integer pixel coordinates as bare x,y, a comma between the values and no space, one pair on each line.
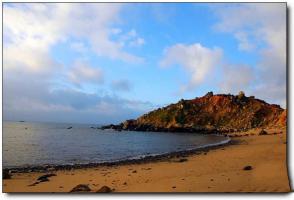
32,144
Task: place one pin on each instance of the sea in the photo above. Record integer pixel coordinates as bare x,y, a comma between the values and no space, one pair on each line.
28,144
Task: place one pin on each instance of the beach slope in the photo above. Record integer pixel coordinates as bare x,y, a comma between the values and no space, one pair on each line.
218,170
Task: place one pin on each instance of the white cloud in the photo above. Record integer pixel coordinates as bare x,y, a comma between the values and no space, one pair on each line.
260,27
196,59
82,72
264,22
237,78
31,30
28,36
131,39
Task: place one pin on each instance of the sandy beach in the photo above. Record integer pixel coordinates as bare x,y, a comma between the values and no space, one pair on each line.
218,170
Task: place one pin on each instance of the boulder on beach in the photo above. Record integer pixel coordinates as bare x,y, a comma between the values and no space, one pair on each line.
81,188
246,168
6,174
45,177
183,160
104,189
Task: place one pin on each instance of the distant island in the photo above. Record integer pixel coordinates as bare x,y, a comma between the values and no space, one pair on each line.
211,113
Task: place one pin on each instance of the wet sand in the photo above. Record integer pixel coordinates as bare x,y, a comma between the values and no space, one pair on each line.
218,170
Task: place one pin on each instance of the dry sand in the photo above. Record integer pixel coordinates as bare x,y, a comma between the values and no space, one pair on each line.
219,170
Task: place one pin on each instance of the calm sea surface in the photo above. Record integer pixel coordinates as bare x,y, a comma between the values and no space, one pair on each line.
31,144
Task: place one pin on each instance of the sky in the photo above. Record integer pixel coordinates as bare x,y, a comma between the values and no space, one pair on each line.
105,63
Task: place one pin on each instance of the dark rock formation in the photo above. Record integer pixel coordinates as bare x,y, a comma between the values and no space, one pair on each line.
104,189
6,174
246,168
112,126
81,188
183,160
262,132
45,177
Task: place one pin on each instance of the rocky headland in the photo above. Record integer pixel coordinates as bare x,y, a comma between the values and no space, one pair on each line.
220,113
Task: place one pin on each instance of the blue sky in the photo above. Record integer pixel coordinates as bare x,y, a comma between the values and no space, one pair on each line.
103,63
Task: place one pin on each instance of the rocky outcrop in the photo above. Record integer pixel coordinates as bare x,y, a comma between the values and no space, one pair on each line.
282,119
209,114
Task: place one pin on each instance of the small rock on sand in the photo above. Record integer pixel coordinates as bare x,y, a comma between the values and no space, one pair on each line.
248,168
81,188
262,132
41,179
104,189
45,177
134,171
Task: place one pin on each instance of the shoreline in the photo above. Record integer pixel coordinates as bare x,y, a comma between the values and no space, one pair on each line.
143,159
221,169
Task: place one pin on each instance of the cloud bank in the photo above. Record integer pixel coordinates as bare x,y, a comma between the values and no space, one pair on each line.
38,87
